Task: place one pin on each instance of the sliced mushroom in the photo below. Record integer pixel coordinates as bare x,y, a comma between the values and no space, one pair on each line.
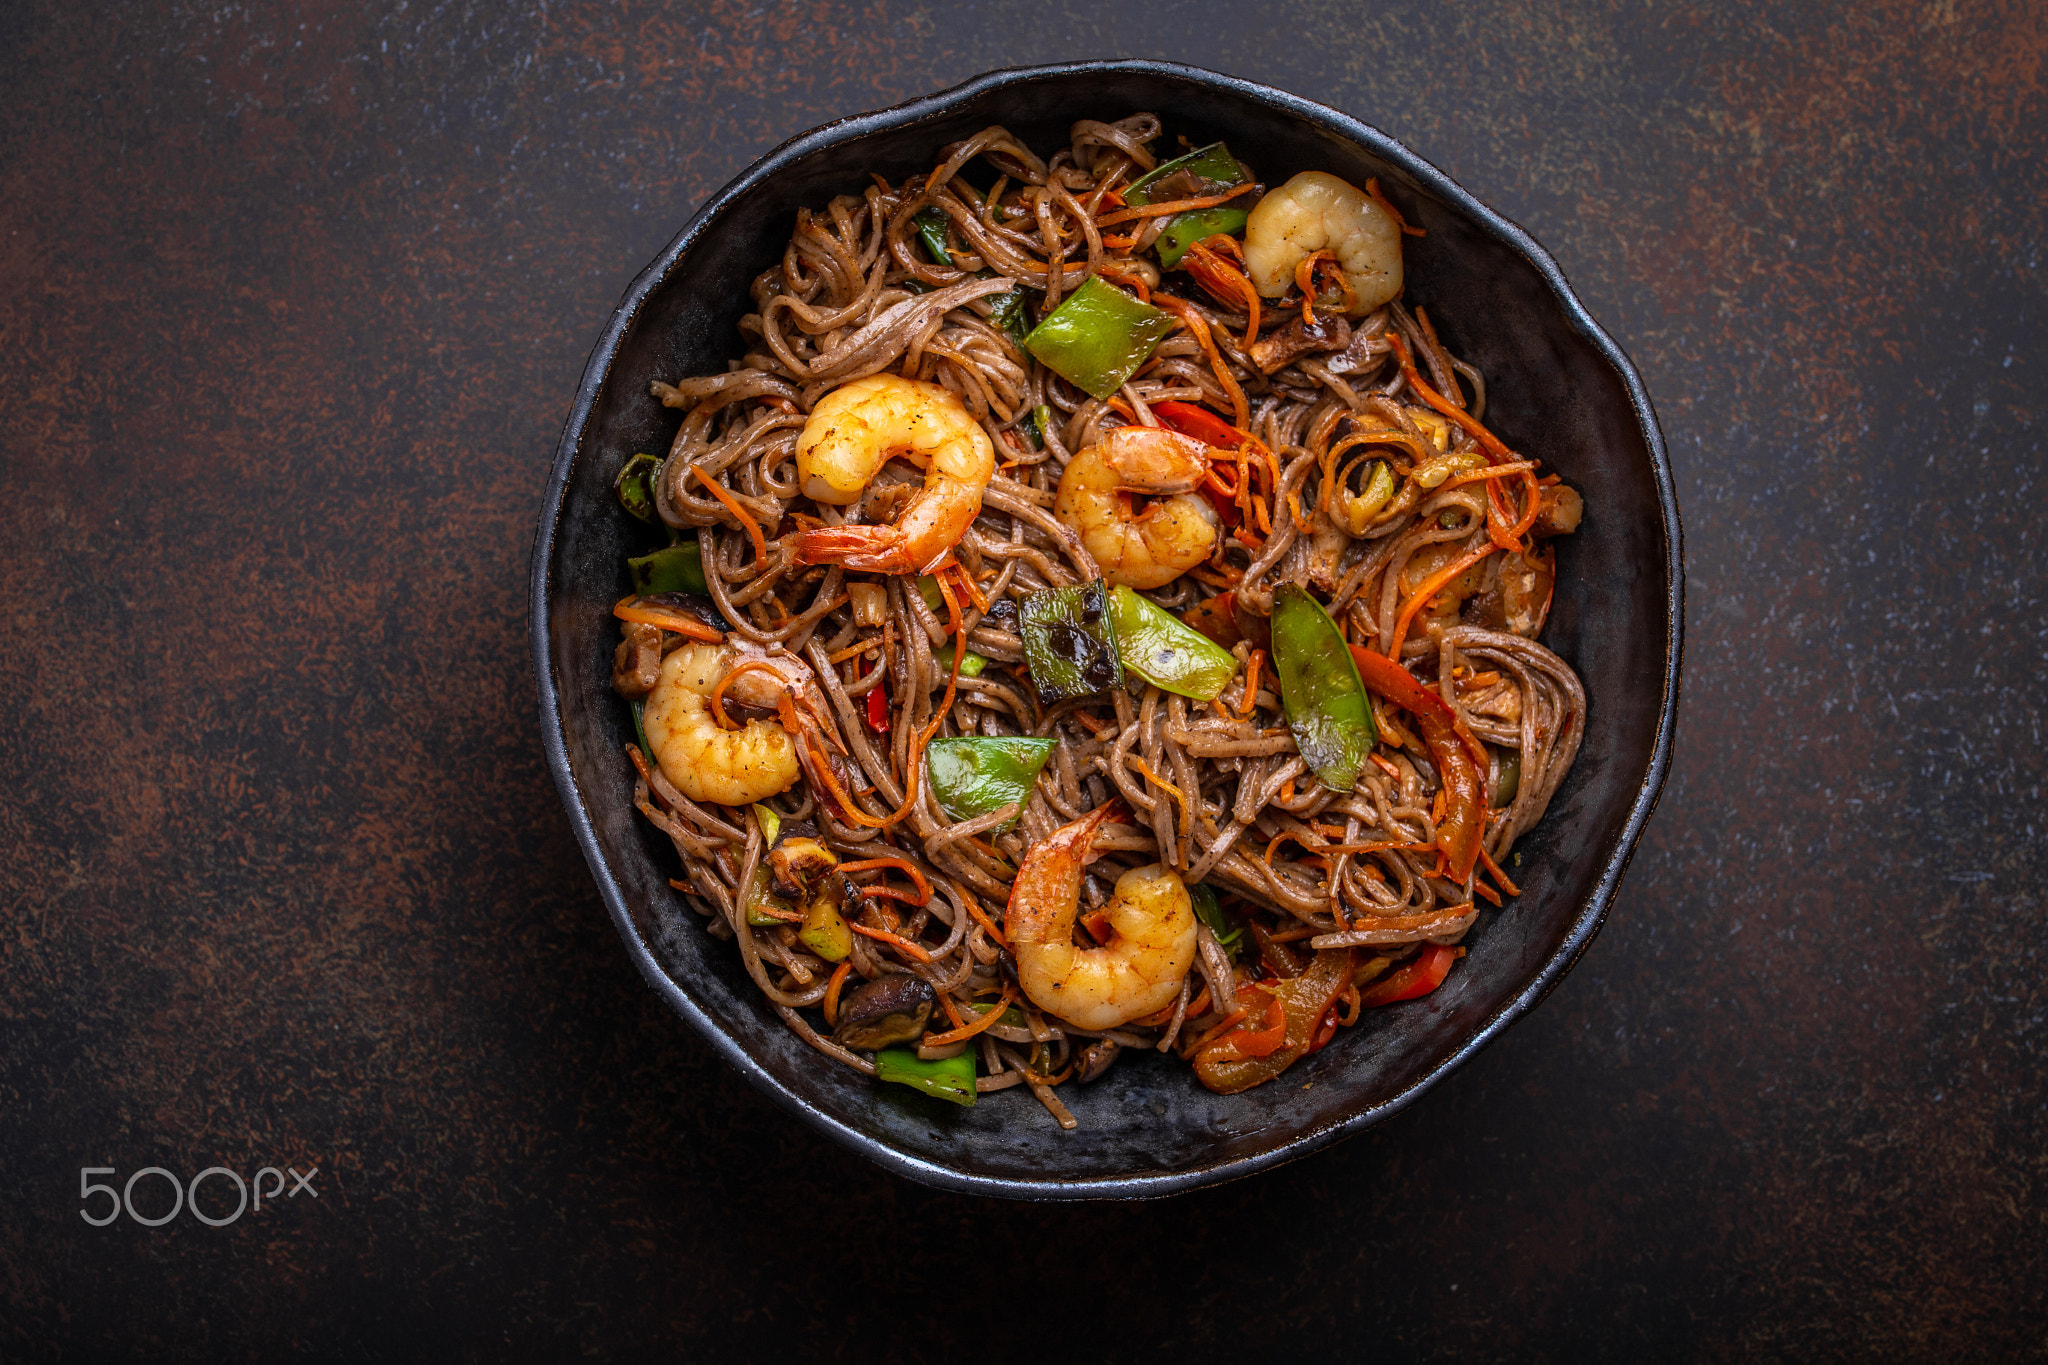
1096,1059
890,1009
1279,348
797,861
636,665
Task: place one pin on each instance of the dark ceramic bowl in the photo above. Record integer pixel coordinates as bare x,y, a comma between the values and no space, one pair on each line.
1558,387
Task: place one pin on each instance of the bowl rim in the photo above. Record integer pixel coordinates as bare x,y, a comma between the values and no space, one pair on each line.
554,735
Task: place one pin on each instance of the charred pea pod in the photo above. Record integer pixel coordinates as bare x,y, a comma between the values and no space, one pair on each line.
634,487
1166,653
949,1078
1070,642
1326,703
1211,170
1097,337
976,775
677,568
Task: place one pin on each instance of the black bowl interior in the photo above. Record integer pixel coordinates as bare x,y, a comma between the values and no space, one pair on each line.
1558,388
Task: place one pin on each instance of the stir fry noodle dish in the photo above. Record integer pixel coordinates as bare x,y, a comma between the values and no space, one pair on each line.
1090,614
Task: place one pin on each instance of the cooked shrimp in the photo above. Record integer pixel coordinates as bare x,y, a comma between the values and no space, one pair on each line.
1314,212
1150,950
853,432
1146,549
705,761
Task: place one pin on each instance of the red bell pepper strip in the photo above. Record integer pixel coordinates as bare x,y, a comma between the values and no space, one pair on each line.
1200,423
1205,426
1245,1041
1419,976
1451,746
878,708
1303,1000
1325,1030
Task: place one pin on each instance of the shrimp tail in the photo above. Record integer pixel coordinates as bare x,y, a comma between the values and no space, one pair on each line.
1047,892
871,549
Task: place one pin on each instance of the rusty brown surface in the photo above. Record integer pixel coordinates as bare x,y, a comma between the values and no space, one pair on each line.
294,306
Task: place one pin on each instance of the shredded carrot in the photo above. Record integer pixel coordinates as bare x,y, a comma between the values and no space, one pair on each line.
843,655
1198,327
952,602
1282,837
1160,782
1099,729
665,620
718,693
1221,256
974,592
1158,1018
1305,281
1251,684
1353,1001
1498,875
895,940
832,992
987,924
1135,283
1429,589
733,506
1286,791
846,806
869,864
1172,206
1481,888
787,916
1372,189
915,767
1294,508
1230,1021
1496,453
965,1031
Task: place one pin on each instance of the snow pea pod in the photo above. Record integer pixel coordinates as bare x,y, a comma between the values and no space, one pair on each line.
1097,337
1165,653
1210,170
975,775
949,1078
674,568
1326,703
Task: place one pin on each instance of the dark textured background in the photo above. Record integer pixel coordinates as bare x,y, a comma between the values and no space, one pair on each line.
295,300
